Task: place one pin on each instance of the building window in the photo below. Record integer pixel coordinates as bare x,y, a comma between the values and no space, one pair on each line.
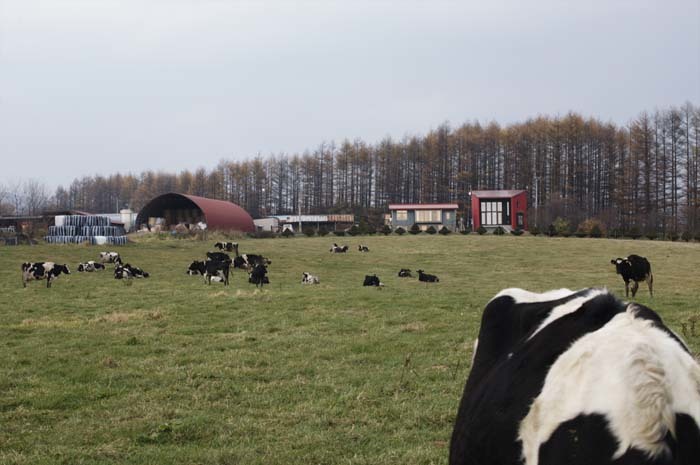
491,213
448,215
401,215
428,216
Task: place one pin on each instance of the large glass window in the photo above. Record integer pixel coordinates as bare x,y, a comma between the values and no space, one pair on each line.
401,215
428,216
491,213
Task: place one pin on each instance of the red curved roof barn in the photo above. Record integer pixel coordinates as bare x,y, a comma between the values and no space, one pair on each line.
184,208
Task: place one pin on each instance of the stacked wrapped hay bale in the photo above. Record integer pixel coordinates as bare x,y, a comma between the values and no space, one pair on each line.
77,229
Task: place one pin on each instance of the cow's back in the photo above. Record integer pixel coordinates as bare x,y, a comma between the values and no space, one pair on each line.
541,368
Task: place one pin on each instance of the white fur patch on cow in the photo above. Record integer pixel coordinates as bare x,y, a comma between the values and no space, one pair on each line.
629,371
568,307
521,296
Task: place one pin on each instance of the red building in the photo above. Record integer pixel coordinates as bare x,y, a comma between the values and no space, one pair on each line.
506,208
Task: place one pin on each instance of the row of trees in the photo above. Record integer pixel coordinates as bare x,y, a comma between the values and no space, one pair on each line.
644,175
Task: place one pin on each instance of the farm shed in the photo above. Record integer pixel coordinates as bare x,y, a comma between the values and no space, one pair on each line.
505,208
424,215
330,222
174,208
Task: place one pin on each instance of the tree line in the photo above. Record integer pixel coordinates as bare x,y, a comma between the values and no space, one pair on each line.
644,175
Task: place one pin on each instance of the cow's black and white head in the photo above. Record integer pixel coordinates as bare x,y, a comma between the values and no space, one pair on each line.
620,264
196,268
61,269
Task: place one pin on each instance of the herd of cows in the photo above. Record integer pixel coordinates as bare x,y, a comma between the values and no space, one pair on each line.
558,378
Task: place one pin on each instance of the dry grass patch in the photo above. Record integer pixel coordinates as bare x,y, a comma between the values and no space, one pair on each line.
415,327
52,323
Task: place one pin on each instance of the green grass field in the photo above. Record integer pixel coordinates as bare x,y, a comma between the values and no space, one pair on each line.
168,370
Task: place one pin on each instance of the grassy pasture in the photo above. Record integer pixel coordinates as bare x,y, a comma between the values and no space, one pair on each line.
170,371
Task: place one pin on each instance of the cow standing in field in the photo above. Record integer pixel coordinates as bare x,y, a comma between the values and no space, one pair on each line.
249,261
42,270
636,269
577,378
258,276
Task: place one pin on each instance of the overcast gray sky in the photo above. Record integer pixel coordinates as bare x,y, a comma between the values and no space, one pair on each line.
100,86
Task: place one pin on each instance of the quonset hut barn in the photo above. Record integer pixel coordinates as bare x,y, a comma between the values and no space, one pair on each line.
173,208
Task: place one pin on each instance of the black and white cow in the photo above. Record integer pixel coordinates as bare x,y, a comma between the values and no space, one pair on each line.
338,249
308,278
197,267
42,270
634,268
372,280
362,248
128,271
90,266
217,271
258,276
110,257
577,378
227,246
218,256
249,261
427,278
405,273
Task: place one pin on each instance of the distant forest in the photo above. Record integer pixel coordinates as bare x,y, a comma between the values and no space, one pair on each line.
644,175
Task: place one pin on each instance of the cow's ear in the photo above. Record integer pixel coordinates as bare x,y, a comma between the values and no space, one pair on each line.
613,261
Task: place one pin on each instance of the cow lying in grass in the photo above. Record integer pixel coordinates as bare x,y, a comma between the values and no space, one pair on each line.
42,270
427,278
90,266
110,257
227,246
308,278
372,280
577,378
337,249
405,273
127,272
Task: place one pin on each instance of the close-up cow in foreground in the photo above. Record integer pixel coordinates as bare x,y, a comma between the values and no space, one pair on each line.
577,378
42,270
636,269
